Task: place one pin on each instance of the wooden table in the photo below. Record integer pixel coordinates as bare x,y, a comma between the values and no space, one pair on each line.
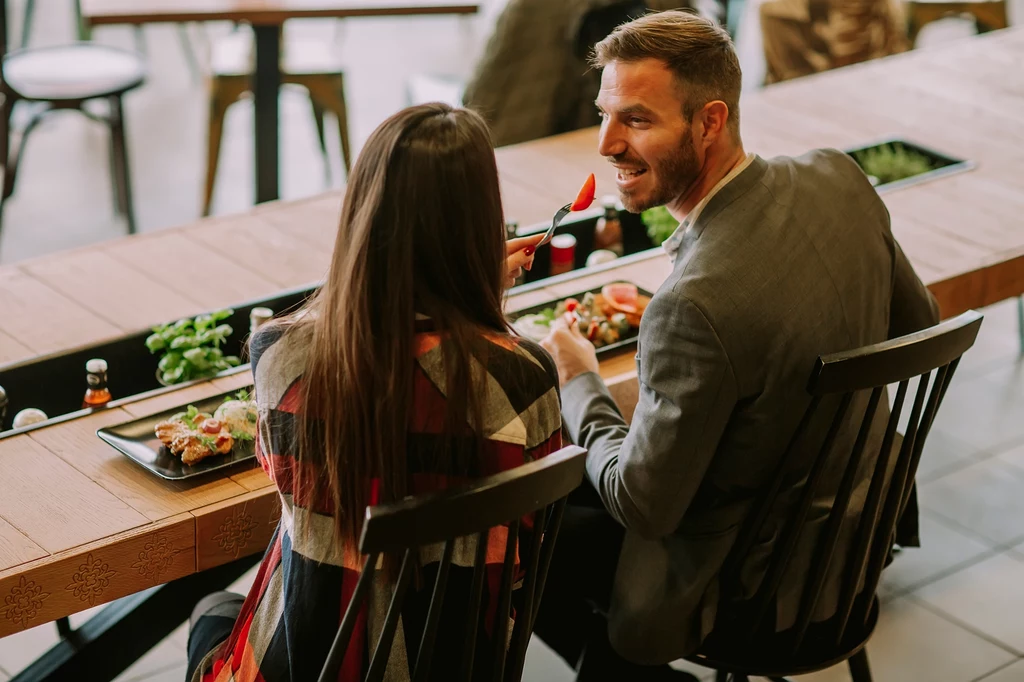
267,17
74,511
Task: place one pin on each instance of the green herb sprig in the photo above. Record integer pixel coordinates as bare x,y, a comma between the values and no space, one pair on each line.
660,224
191,348
892,162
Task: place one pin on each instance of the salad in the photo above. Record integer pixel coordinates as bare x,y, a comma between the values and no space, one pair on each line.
604,318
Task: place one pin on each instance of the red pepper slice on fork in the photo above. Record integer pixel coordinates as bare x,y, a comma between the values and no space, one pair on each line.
586,196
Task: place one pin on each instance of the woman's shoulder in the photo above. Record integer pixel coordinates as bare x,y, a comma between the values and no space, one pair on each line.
277,354
522,365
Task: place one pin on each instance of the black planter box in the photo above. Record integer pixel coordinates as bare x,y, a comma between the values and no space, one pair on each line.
941,164
55,383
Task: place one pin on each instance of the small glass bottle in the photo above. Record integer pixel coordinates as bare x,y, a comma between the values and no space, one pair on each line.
511,229
608,230
96,394
259,316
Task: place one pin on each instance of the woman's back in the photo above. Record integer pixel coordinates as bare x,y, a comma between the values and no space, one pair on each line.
290,617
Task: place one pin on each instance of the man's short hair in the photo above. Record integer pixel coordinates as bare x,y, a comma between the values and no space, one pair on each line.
698,52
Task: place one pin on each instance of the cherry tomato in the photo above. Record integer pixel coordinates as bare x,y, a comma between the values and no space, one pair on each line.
571,304
586,196
593,330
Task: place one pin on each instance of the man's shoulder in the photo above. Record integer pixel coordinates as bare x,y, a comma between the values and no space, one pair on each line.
821,162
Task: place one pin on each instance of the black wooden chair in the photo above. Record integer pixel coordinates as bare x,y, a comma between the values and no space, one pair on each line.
399,530
66,77
741,648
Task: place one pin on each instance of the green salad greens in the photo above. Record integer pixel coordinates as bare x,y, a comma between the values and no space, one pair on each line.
891,162
660,224
191,348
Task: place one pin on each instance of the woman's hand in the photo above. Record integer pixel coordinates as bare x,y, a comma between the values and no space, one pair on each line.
520,255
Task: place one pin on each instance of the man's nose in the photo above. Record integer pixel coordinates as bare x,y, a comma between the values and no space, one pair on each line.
610,141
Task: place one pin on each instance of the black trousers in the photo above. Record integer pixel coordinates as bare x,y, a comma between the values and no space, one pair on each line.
571,619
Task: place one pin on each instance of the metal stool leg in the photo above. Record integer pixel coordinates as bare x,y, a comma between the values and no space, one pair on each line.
119,157
859,669
190,53
318,117
1020,322
26,21
84,30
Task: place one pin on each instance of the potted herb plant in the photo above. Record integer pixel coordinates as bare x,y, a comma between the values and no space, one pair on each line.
891,162
191,348
660,224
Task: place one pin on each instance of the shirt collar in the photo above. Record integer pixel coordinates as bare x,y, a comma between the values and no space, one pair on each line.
675,240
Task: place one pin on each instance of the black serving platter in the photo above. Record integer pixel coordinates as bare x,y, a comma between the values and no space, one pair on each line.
137,440
626,341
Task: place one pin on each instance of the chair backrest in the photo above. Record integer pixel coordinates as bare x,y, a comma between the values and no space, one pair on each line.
538,488
929,356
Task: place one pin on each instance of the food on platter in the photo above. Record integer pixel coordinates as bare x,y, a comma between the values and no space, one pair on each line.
604,318
195,435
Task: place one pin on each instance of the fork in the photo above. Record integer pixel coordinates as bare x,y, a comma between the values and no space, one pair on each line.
562,212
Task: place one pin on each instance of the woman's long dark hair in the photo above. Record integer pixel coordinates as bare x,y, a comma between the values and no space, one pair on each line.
421,232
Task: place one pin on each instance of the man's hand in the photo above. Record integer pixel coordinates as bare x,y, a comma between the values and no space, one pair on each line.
573,354
519,254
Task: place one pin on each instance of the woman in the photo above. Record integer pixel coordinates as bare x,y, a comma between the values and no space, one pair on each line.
399,377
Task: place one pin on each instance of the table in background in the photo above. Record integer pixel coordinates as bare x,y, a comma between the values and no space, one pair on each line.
266,17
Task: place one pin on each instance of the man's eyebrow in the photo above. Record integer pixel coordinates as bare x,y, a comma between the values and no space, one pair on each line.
625,111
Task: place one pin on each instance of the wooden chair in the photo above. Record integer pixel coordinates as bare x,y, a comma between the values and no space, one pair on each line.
988,15
66,77
401,529
747,645
312,65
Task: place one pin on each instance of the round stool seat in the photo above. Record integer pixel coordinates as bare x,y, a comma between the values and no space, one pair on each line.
72,72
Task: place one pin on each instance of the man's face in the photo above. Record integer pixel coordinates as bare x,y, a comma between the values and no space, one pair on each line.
645,135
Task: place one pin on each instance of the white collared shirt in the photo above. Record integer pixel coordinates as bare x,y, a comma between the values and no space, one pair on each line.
671,245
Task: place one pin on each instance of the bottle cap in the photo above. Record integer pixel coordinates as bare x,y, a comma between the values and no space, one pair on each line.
257,316
261,313
610,201
96,366
29,415
563,241
600,256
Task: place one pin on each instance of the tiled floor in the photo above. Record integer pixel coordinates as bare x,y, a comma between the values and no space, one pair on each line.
952,609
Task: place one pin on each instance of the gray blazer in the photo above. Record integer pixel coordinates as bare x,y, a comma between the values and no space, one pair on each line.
792,259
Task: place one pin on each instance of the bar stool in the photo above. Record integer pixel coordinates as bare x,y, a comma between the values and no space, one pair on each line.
84,33
65,77
989,15
310,64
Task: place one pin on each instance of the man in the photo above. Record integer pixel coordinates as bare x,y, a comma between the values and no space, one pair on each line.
775,263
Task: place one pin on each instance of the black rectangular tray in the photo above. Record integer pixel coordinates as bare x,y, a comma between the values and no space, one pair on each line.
627,341
944,164
137,440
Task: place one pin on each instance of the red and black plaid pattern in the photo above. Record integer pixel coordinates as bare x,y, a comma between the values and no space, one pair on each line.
306,579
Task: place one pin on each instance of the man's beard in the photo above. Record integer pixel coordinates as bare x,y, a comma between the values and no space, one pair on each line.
676,172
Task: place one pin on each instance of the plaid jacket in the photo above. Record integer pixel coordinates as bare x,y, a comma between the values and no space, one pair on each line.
306,579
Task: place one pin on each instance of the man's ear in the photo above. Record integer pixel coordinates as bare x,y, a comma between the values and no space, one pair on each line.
714,116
